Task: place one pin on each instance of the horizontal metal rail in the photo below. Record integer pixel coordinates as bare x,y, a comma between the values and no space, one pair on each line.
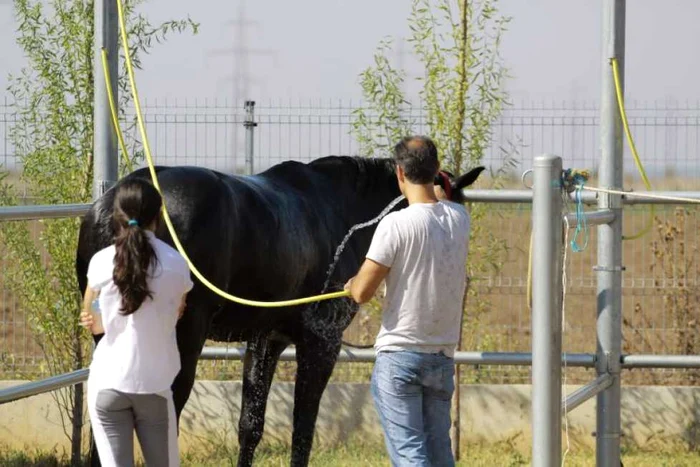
45,385
346,355
584,360
691,196
32,212
588,197
660,361
600,217
51,211
368,355
515,196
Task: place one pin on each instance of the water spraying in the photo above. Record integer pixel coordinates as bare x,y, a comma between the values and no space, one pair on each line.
352,230
310,316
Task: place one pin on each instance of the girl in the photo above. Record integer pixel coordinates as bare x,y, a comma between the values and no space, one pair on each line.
139,286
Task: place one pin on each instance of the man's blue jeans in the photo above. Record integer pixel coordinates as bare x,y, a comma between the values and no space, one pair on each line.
412,392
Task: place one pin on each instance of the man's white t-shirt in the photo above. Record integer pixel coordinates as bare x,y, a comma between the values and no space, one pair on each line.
426,246
138,353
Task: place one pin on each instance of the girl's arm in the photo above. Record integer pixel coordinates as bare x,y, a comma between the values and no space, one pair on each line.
88,318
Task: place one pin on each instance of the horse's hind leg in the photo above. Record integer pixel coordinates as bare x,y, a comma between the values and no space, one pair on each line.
259,363
316,358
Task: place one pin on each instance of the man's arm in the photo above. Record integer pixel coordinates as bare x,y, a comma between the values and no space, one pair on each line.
363,286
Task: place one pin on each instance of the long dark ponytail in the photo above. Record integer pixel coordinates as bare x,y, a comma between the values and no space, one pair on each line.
136,206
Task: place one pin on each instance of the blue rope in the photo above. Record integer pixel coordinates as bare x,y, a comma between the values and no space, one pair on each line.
581,224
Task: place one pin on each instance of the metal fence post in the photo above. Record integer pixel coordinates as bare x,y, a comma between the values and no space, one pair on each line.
609,268
106,157
249,125
546,312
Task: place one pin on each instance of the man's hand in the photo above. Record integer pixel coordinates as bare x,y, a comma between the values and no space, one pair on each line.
363,286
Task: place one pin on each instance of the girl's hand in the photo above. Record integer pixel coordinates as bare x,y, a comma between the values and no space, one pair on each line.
86,320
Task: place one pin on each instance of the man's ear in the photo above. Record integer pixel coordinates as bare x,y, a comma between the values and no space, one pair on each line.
468,178
400,174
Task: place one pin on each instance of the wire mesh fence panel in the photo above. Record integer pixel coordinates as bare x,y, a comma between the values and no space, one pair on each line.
660,301
20,349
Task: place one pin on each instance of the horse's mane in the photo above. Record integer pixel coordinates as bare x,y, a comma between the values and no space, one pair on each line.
362,174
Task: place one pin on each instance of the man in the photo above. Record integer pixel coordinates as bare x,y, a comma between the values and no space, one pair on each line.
421,251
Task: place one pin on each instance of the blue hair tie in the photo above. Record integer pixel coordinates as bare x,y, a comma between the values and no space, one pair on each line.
133,222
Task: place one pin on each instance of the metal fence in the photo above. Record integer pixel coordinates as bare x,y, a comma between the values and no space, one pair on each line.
659,298
210,132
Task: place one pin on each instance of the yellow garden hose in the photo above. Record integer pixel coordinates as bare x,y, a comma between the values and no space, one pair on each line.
637,162
633,148
528,291
166,216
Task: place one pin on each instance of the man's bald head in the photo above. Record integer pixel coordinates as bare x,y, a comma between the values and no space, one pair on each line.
417,156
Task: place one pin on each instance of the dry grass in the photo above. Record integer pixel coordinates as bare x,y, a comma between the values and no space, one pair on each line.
371,453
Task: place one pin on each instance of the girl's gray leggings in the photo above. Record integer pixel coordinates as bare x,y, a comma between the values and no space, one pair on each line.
115,416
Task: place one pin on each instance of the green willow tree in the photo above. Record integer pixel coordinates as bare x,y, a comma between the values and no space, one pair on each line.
53,141
461,97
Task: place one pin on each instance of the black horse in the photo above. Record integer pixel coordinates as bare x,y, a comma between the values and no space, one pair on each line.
267,237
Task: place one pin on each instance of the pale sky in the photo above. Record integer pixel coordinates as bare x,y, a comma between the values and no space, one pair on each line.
315,49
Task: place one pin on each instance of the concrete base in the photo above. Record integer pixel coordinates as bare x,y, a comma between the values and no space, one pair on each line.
652,417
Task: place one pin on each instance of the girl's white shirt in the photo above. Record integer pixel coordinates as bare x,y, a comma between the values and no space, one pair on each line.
138,353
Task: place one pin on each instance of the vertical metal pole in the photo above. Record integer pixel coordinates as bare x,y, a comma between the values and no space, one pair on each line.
249,135
546,312
456,430
106,157
609,268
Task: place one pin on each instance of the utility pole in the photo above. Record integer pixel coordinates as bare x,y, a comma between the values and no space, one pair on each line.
240,54
241,90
